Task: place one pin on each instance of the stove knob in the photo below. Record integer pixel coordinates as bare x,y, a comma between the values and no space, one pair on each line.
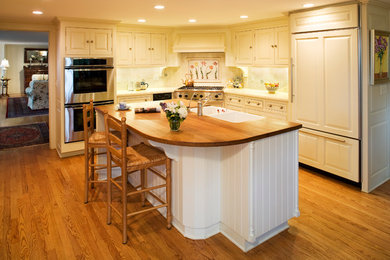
194,96
216,96
201,96
180,95
185,96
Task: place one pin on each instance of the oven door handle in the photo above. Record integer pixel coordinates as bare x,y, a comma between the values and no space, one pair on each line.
95,69
78,106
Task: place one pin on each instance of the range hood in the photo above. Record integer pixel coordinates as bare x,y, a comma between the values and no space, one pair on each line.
199,42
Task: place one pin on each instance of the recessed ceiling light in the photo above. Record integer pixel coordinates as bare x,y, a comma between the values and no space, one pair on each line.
308,5
141,20
37,12
192,20
243,16
159,7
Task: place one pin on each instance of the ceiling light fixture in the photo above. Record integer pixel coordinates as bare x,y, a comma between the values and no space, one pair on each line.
243,16
141,20
192,20
37,12
308,5
159,7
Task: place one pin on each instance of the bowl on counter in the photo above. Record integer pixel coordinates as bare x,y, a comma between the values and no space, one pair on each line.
271,87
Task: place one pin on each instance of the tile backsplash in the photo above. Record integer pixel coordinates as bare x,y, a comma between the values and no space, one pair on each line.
159,77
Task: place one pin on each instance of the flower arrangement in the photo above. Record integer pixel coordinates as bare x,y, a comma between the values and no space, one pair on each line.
380,49
175,113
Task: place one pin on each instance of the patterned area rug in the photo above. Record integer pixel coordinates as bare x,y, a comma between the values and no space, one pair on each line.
24,135
17,107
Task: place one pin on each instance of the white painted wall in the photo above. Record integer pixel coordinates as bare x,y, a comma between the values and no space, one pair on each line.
375,107
14,53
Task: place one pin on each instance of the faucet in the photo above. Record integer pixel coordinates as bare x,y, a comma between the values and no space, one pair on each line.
189,104
201,105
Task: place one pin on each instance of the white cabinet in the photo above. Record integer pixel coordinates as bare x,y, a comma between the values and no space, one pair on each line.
244,47
258,106
325,81
124,48
262,46
149,48
332,153
88,42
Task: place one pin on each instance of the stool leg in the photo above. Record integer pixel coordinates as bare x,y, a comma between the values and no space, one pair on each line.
143,194
168,193
92,167
86,156
124,205
109,195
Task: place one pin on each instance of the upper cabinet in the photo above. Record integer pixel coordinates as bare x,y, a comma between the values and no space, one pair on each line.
88,42
262,46
124,48
149,48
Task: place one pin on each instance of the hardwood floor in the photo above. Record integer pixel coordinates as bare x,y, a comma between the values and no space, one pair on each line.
18,120
42,216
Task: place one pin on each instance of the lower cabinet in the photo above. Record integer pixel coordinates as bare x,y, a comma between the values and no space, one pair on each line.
257,106
331,153
135,98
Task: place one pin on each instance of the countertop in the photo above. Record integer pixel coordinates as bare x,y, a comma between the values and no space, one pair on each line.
280,96
200,131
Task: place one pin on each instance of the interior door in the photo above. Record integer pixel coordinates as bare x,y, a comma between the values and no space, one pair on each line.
307,80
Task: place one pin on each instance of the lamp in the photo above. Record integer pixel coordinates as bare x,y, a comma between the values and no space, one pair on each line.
4,65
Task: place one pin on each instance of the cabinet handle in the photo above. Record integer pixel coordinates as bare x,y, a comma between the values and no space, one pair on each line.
292,79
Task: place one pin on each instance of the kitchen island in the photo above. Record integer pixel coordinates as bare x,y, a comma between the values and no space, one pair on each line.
240,179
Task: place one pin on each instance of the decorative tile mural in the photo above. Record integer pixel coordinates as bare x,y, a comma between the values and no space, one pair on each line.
204,70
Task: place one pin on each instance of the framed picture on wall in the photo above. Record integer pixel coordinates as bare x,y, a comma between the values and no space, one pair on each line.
35,55
379,56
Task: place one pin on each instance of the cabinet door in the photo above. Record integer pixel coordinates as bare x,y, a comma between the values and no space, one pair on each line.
157,44
77,41
340,84
307,80
244,47
264,47
282,46
124,50
142,48
100,42
311,150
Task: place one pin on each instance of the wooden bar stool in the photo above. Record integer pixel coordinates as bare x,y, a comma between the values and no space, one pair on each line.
92,141
133,159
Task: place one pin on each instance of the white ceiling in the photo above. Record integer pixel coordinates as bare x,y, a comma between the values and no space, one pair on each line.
176,12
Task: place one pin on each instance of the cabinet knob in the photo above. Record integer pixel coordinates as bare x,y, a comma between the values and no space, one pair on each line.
258,104
281,107
270,105
249,102
87,41
130,49
276,46
91,41
250,47
239,100
230,99
152,49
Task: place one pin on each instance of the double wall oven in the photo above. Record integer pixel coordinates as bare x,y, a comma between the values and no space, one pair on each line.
85,79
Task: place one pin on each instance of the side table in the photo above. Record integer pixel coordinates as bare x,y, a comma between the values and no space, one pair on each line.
4,86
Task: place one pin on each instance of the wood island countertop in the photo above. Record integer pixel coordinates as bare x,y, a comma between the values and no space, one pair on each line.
199,131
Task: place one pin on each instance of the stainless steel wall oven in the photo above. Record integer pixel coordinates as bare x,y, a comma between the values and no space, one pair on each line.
88,78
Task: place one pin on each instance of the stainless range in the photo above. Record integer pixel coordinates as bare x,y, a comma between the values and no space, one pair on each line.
213,94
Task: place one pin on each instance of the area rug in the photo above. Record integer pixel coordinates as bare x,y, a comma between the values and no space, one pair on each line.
17,107
24,135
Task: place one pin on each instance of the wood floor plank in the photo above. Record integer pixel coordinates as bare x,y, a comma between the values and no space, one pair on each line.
43,216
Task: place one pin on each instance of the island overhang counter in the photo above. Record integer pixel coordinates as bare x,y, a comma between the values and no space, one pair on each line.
240,179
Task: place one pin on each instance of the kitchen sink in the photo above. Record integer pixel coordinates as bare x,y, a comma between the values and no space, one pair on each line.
227,114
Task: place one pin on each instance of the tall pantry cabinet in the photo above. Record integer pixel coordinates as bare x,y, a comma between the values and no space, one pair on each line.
325,89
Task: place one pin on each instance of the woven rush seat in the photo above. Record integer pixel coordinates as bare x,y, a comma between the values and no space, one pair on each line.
97,138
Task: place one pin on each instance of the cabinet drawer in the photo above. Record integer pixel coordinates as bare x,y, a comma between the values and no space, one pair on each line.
278,107
135,99
331,153
254,103
235,100
233,107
